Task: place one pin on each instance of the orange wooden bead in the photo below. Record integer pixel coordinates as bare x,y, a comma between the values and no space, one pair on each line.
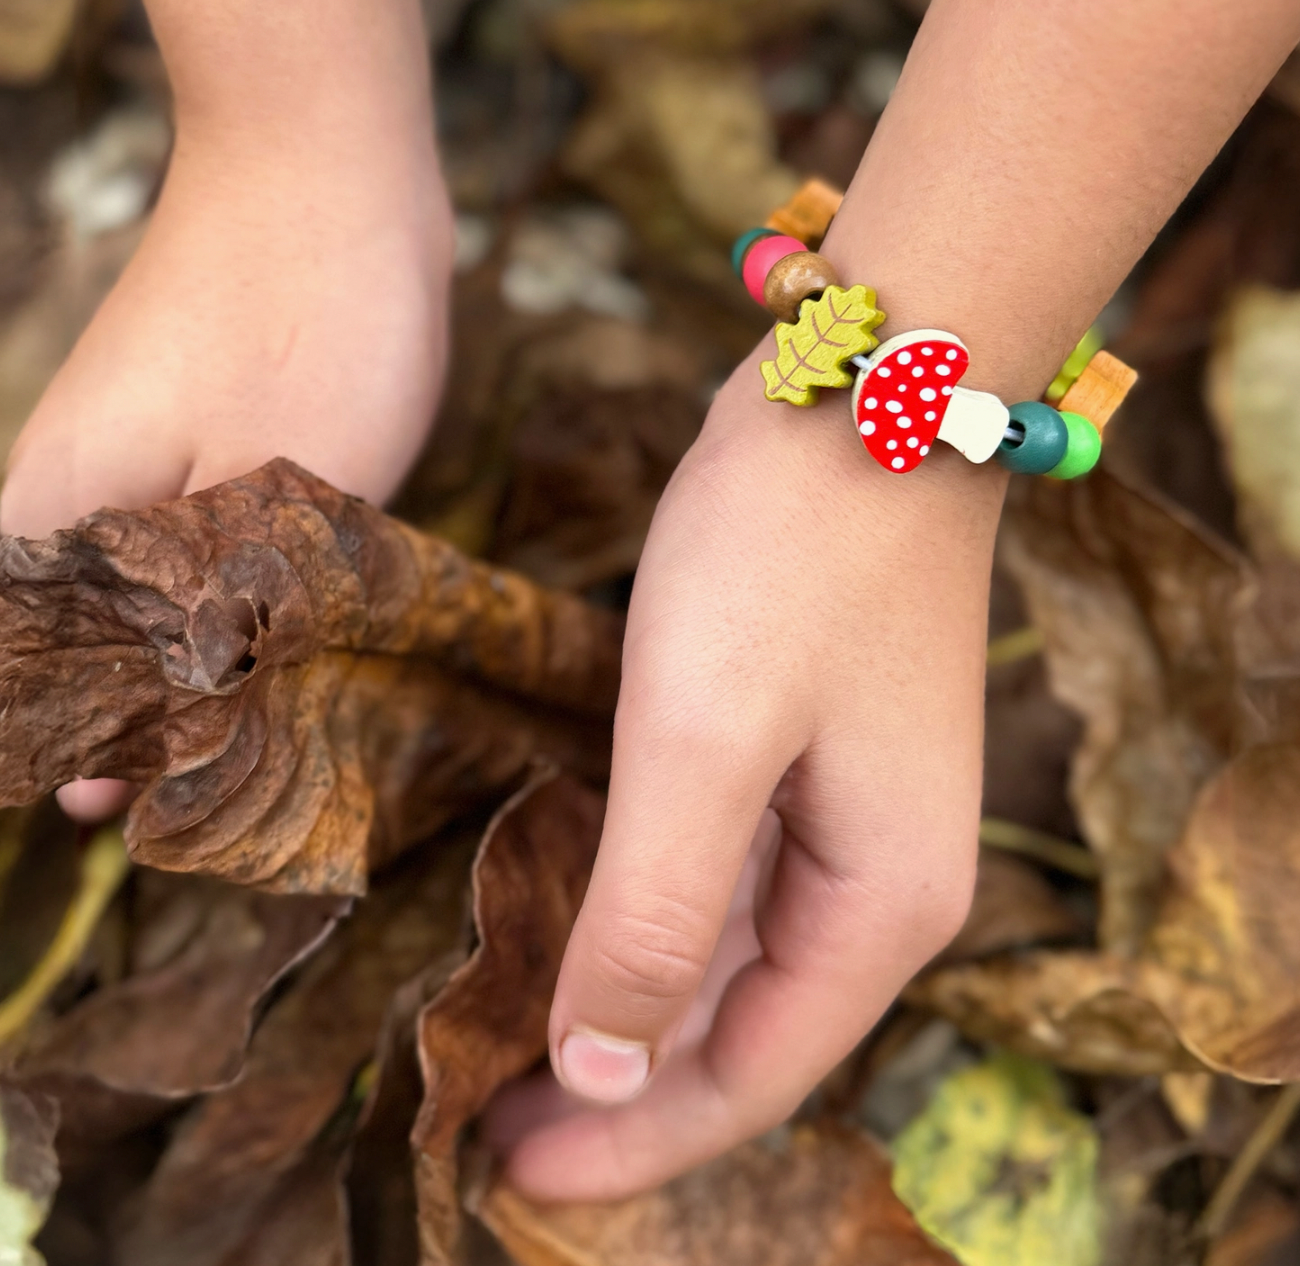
808,214
1099,390
794,278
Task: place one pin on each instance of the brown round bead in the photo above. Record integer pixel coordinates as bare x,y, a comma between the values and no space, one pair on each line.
793,279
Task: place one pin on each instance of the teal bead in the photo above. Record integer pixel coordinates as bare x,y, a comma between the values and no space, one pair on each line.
1046,439
741,248
1083,450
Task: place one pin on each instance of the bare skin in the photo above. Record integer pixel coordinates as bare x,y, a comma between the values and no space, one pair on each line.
798,741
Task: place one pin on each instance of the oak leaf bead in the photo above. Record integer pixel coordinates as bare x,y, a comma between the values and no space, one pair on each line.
794,278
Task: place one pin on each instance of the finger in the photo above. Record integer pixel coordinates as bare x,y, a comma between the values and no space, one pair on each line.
687,790
836,951
94,800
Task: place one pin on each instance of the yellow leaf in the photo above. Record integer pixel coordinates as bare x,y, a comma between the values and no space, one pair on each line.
1000,1171
811,354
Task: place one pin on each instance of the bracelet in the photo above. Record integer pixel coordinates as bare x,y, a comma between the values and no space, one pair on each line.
906,391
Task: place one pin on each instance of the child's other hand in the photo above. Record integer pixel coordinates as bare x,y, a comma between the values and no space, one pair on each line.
807,632
281,304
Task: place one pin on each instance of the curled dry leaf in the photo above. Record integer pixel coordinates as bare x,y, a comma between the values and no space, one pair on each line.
489,1023
1139,608
813,1195
249,1156
304,685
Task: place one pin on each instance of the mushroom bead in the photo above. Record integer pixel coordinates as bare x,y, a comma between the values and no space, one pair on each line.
794,278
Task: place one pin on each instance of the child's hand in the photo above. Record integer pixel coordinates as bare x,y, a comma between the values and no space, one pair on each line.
287,299
807,631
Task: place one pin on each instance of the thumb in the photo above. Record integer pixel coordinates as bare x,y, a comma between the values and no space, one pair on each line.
686,797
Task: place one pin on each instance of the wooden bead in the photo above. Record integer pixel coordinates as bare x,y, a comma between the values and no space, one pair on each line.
741,248
813,353
901,398
1083,448
794,278
1099,390
808,214
1045,439
760,258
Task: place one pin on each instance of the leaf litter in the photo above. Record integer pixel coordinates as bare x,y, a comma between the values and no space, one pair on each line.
273,1041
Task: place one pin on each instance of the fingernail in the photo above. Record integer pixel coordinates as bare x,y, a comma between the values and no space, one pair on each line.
603,1068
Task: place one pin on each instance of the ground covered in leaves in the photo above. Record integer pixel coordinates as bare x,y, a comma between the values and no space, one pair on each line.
257,1021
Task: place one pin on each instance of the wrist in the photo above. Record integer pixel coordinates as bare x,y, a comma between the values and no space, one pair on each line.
819,446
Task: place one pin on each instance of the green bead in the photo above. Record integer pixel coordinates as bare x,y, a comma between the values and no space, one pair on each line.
743,243
1045,441
1083,451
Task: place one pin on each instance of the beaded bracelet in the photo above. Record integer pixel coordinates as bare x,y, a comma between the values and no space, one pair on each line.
906,392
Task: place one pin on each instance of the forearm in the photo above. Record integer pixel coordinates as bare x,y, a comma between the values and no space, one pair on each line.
1030,153
347,80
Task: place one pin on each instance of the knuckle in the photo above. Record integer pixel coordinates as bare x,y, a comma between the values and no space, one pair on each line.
656,959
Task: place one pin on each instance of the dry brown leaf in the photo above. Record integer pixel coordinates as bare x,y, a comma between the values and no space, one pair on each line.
1253,389
303,684
244,1158
1139,608
489,1023
813,1195
1013,907
203,956
592,32
1218,984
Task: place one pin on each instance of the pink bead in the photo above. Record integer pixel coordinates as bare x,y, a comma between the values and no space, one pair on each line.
760,258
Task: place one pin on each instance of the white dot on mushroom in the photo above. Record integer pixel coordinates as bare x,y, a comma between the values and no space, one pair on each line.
944,370
893,406
904,358
927,393
898,463
951,353
891,444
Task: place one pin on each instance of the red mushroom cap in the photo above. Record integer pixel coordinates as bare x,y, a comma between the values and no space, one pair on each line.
899,400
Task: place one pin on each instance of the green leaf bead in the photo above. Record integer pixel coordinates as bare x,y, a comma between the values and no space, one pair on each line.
1083,451
743,243
1046,439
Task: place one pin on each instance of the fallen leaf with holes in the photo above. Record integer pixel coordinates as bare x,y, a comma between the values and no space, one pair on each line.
1000,1170
304,685
811,1195
246,1164
29,1172
489,1023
